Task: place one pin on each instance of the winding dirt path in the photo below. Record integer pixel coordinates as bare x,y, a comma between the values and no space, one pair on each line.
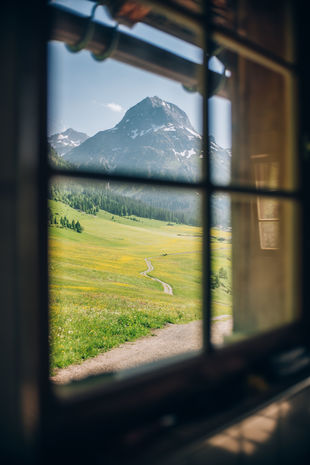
166,286
162,343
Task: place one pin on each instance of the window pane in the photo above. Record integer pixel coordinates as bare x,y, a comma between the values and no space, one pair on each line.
115,118
124,274
267,24
221,269
251,123
255,283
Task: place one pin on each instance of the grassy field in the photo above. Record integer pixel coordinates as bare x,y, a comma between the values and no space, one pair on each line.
99,299
221,258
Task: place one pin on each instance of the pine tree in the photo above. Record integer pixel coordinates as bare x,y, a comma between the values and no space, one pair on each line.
78,227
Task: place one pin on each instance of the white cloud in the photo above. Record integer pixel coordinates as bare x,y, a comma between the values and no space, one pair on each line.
114,107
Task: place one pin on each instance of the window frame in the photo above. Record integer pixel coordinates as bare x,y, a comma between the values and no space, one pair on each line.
259,55
139,403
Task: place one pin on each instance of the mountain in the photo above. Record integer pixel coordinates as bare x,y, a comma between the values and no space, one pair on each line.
55,160
220,165
65,141
154,138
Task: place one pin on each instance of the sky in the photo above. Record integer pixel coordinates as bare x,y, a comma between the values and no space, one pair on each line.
92,96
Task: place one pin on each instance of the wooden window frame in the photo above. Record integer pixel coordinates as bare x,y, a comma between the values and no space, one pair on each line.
129,413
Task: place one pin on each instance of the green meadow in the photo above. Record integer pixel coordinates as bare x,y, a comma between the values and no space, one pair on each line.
98,296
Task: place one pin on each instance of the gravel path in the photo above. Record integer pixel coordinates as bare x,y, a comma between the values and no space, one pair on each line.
162,343
166,286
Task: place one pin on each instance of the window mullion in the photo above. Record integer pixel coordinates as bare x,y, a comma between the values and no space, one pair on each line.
206,275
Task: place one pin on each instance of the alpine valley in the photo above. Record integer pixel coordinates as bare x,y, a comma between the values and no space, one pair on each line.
154,139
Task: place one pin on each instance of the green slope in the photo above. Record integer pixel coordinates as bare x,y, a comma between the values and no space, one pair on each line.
98,297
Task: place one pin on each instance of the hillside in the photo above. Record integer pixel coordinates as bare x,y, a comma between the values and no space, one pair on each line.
55,159
98,297
117,200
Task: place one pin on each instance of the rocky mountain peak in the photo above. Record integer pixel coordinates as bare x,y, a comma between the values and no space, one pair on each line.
154,138
71,133
65,141
154,112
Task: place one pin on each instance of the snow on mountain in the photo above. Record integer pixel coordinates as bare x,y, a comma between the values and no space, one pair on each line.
65,141
154,138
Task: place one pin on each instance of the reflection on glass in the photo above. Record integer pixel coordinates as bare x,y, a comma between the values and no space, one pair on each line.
253,110
254,265
124,276
269,235
267,24
266,172
268,209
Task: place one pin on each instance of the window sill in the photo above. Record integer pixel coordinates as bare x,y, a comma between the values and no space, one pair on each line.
157,409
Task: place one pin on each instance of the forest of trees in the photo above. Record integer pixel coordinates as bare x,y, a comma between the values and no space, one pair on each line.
64,222
90,200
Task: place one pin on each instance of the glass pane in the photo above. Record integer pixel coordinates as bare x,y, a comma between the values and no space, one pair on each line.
267,24
124,276
221,269
255,262
251,115
115,118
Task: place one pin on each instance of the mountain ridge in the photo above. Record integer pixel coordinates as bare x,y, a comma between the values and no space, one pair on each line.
155,138
64,141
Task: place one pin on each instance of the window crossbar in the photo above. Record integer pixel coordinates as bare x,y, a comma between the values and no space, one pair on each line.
202,185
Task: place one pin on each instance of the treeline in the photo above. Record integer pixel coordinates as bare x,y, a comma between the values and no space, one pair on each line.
55,160
220,279
64,222
178,201
81,200
90,200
